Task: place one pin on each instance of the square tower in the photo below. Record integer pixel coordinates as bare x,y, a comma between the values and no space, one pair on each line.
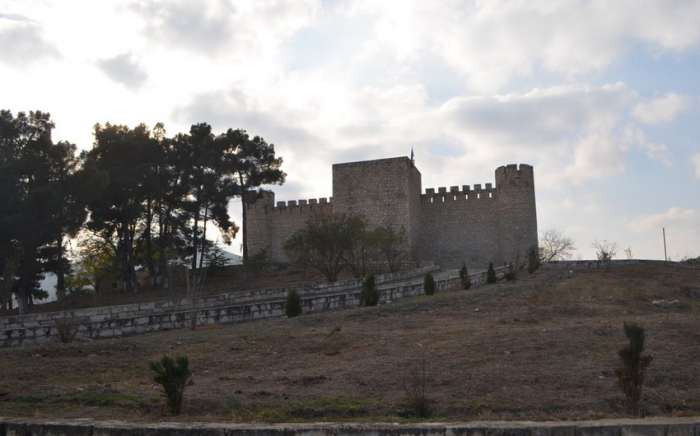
386,192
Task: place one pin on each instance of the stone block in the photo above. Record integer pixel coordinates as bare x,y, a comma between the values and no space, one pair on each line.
98,318
642,429
14,429
682,429
553,430
466,430
112,429
58,429
597,429
175,429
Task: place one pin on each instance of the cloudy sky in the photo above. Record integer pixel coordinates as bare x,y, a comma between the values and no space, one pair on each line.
601,97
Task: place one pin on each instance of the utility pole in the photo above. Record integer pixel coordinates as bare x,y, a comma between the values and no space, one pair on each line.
665,256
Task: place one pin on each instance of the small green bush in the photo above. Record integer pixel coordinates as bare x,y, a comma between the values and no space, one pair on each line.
631,376
491,274
464,277
428,284
369,295
173,376
292,307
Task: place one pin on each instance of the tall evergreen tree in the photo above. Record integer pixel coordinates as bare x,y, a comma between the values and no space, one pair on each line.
210,189
39,203
253,163
123,154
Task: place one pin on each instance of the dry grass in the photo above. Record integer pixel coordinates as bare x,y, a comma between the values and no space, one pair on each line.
543,347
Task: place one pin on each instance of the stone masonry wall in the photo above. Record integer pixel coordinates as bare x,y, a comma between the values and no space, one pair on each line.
450,227
459,225
383,191
517,213
270,226
619,427
124,320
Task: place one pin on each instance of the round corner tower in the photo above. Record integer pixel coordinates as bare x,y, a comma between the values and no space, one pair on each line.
517,212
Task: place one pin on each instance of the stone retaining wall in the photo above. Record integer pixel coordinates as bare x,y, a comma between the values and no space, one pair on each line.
646,427
592,264
118,321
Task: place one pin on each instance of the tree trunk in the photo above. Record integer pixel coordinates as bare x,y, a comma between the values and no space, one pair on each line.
244,202
22,295
195,238
149,249
60,273
131,267
204,235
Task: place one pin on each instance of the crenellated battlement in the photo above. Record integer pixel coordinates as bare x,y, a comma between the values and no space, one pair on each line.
456,194
509,173
301,205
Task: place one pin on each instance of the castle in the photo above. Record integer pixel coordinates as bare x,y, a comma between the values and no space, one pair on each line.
449,227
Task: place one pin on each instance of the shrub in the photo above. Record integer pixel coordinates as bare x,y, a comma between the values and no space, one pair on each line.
173,376
491,274
631,376
428,284
510,274
369,295
605,251
66,330
256,263
464,277
292,307
414,384
532,257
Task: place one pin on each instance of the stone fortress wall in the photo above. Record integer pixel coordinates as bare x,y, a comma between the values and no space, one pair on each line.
269,225
447,226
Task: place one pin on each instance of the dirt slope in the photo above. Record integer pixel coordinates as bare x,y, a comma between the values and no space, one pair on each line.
543,347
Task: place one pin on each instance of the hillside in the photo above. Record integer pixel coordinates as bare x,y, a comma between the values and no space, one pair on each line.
543,347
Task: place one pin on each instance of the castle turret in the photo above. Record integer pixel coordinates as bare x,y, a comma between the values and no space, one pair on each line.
259,223
517,213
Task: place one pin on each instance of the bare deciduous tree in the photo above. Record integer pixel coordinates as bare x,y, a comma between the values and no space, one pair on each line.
555,246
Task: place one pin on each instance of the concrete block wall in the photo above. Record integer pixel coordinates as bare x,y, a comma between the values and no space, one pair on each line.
627,427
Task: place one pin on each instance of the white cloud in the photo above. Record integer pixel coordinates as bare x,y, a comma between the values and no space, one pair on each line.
492,42
223,28
22,42
124,69
682,235
661,110
634,136
696,161
674,217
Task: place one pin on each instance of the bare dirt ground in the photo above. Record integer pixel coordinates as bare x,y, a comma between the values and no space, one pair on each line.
543,347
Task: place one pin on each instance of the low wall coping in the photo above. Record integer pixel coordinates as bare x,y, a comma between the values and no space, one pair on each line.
619,427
